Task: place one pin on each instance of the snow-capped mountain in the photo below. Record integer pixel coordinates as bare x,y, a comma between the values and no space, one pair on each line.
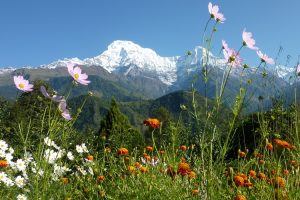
126,58
126,64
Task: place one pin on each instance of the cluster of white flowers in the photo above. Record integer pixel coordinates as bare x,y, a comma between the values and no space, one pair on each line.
51,156
50,143
5,152
5,179
15,173
82,148
152,162
59,171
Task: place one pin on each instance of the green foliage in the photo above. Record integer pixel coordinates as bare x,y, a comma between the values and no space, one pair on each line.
118,130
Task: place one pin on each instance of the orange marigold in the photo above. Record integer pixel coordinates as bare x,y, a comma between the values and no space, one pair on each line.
262,176
138,165
149,148
239,180
240,197
90,157
3,163
242,154
161,152
100,178
123,152
278,182
152,122
192,175
293,162
144,169
183,147
131,169
252,173
65,180
195,192
261,162
183,168
283,144
286,172
270,146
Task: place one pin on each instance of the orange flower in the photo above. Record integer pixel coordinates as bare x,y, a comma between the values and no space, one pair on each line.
252,173
262,176
278,182
261,162
183,168
152,122
123,151
240,197
137,164
100,178
90,157
239,180
148,158
65,180
270,146
162,152
192,175
183,148
149,148
286,172
3,163
144,169
242,154
131,169
283,144
248,184
293,162
195,192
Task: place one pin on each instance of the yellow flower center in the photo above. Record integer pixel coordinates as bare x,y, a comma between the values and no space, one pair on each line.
21,85
76,76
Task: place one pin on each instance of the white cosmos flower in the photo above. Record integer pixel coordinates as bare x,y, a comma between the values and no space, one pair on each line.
48,141
79,149
3,176
70,155
3,145
84,148
2,154
9,157
11,150
21,197
20,181
20,165
8,182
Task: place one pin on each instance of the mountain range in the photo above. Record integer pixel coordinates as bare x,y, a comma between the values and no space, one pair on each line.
130,72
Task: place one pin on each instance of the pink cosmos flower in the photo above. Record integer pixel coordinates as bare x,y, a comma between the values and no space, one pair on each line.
265,58
298,70
77,75
62,106
225,45
23,84
214,13
233,57
55,98
248,40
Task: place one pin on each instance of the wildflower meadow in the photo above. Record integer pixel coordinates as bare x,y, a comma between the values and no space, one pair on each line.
218,153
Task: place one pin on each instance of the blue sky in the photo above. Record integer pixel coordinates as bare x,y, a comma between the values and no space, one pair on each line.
35,32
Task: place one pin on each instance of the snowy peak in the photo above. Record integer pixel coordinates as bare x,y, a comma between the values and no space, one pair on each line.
126,53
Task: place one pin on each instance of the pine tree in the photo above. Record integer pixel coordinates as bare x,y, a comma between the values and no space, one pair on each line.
118,131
